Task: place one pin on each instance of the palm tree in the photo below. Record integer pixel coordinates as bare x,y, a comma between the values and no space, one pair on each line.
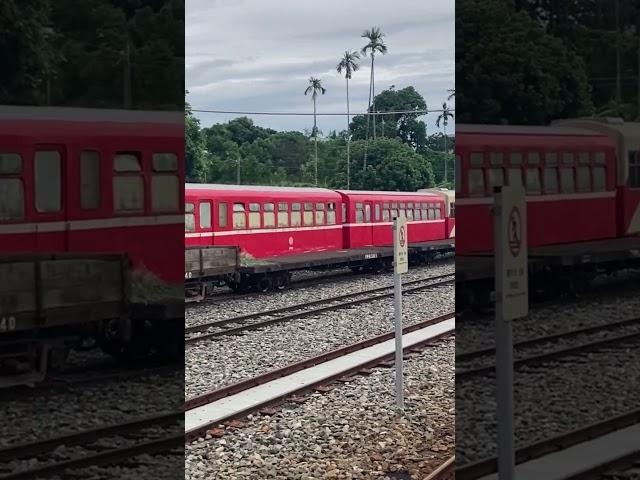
444,117
315,87
376,45
452,93
348,63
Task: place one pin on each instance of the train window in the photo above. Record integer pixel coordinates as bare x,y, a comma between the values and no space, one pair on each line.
385,205
550,180
394,205
359,215
331,213
377,212
533,158
438,212
515,176
567,158
205,215
319,206
165,193
403,205
89,180
497,158
268,207
296,216
223,214
634,169
320,217
583,181
308,207
425,213
254,218
344,213
515,158
567,180
533,181
283,219
367,213
402,213
583,157
359,206
410,214
127,162
599,179
128,193
476,182
416,213
239,217
48,181
430,214
189,218
10,163
600,158
476,159
11,199
496,177
165,162
452,210
269,216
283,207
254,207
385,215
410,205
551,158
295,207
307,216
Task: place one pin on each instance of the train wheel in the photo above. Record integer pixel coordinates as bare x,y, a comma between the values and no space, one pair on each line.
265,284
281,281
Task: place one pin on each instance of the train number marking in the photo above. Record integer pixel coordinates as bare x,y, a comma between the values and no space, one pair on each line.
7,324
369,256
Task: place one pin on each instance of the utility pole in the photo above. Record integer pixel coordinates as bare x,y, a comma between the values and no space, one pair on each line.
127,74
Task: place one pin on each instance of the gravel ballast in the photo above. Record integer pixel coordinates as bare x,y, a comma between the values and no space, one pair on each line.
352,431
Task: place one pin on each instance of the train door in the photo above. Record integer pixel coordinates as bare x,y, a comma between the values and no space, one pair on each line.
368,228
205,222
50,198
15,224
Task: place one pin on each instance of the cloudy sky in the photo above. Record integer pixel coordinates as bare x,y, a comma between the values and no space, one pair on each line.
257,55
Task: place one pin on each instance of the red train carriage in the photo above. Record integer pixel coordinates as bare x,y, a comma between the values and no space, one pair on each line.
569,175
263,221
369,216
77,180
449,197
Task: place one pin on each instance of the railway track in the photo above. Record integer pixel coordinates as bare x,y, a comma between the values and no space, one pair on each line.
585,438
537,357
212,409
252,321
74,451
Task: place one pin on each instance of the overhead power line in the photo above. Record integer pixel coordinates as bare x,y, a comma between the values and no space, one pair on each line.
395,112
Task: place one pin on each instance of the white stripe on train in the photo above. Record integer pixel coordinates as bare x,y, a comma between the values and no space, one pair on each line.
295,229
540,198
92,224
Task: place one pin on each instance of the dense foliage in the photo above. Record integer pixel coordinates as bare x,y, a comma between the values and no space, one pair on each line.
532,61
93,53
402,157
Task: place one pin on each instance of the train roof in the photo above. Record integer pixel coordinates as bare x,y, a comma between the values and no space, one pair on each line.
69,114
255,188
554,129
382,192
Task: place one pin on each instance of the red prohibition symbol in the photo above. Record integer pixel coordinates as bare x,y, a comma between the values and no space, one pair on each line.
515,232
403,236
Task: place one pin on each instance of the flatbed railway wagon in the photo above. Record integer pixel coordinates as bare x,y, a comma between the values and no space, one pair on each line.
50,303
87,181
582,184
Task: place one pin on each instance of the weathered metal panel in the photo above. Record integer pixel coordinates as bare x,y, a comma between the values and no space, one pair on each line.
17,287
210,261
74,282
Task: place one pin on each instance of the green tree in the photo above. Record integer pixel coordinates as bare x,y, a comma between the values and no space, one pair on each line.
348,63
315,87
444,118
511,71
375,45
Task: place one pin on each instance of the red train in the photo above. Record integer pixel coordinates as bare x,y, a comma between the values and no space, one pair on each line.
276,221
582,180
88,181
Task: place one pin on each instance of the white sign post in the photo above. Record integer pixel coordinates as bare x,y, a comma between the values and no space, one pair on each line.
400,266
512,301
